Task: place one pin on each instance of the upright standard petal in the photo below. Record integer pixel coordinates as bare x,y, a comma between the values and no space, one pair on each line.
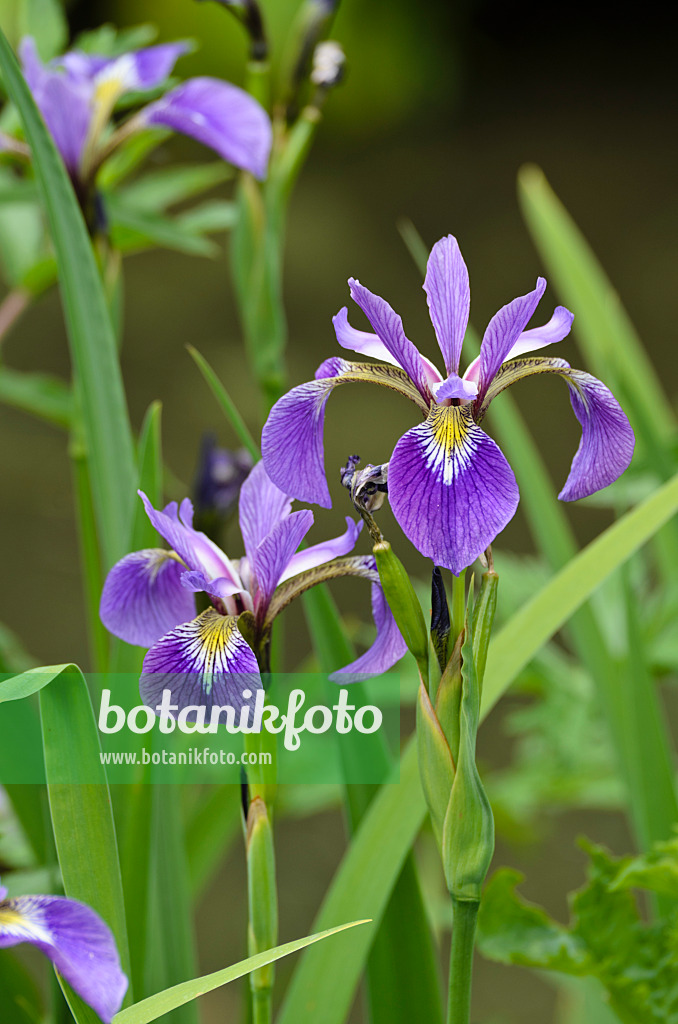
455,387
389,329
65,101
449,298
76,940
388,648
363,342
220,116
205,662
143,597
262,506
607,441
319,554
175,525
275,552
502,333
450,487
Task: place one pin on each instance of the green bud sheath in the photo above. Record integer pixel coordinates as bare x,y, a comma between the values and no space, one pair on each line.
404,604
483,617
448,699
436,766
262,892
468,829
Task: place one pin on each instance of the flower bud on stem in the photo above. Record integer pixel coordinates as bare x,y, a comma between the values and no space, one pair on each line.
263,904
404,604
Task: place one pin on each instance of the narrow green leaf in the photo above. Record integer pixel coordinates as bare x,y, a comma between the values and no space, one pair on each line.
226,403
171,954
155,1006
157,190
31,681
92,342
611,344
150,477
134,230
210,832
551,607
43,396
82,819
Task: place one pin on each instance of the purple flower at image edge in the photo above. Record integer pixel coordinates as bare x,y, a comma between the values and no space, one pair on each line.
76,94
450,487
204,660
76,940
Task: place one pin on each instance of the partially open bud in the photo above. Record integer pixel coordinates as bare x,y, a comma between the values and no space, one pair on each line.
436,765
440,618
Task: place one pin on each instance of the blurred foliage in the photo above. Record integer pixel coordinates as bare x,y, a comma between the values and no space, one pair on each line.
607,937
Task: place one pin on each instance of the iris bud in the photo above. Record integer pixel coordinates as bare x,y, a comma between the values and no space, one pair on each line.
436,766
440,618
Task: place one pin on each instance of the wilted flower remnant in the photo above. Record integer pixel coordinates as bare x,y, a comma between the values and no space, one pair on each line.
76,940
148,598
450,487
77,93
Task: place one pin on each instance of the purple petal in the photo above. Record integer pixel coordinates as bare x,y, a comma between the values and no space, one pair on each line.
66,103
449,298
292,442
364,342
76,940
389,329
203,662
275,552
143,597
318,554
556,329
139,70
607,441
197,582
503,331
175,525
450,487
388,648
220,116
455,387
262,507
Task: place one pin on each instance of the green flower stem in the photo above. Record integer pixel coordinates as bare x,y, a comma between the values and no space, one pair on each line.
465,917
458,603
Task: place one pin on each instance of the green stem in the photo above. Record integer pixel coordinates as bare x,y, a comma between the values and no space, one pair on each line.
465,916
458,604
261,1006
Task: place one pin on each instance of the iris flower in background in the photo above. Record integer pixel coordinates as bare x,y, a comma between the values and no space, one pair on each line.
76,95
221,474
75,939
450,487
148,598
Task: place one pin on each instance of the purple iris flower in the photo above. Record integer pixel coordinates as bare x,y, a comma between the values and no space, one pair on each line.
148,597
75,939
76,95
450,487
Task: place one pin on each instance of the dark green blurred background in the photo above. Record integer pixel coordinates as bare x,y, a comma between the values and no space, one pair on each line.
443,102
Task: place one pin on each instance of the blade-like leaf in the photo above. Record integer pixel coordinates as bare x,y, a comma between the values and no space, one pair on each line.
84,831
46,397
226,403
551,607
155,1006
91,338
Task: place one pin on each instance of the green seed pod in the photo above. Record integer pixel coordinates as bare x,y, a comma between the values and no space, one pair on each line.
404,604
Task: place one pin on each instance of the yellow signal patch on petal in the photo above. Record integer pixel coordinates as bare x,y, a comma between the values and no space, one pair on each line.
452,442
